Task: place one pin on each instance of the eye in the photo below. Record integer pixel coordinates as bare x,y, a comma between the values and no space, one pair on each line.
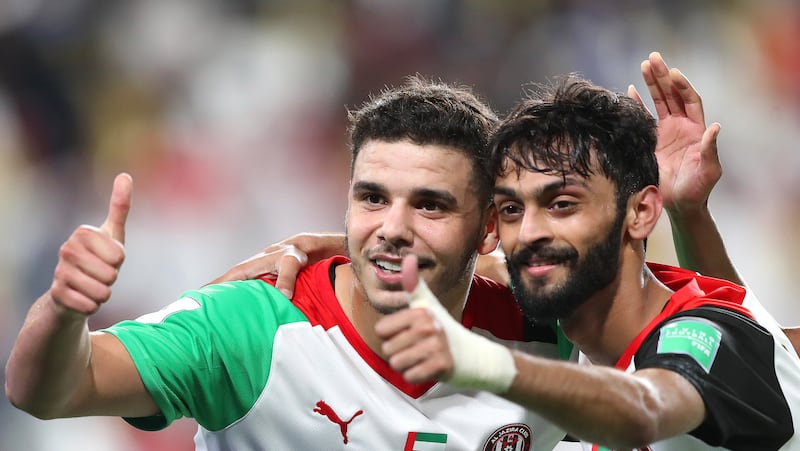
429,205
373,198
563,205
510,210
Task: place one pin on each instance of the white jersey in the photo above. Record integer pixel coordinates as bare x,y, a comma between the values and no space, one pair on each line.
260,372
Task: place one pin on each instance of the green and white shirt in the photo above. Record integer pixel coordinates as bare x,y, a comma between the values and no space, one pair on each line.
260,372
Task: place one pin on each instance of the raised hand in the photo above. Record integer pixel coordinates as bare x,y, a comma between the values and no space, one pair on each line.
415,344
90,259
424,342
688,162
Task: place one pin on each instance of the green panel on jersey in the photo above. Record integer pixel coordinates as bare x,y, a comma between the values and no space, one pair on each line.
697,339
210,362
565,347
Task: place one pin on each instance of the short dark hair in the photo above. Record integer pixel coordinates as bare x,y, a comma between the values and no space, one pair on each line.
555,129
426,112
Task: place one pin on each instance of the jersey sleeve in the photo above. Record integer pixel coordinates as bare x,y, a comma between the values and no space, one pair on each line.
730,360
207,356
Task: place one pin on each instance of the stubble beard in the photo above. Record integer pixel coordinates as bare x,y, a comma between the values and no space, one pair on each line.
454,276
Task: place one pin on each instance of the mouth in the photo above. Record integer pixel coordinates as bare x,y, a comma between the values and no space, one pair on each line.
539,262
387,265
541,267
392,265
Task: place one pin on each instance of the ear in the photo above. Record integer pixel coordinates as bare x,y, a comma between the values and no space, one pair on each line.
490,235
644,210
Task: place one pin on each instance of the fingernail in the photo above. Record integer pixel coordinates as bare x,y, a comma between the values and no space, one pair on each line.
287,293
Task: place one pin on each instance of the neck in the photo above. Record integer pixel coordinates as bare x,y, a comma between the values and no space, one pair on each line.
604,326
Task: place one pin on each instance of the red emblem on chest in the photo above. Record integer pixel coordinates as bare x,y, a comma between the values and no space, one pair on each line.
324,409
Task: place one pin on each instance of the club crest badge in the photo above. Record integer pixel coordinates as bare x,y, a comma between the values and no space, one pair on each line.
511,437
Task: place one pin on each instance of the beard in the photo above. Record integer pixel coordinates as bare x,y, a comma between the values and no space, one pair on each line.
587,275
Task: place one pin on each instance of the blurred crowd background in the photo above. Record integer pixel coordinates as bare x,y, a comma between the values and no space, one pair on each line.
230,115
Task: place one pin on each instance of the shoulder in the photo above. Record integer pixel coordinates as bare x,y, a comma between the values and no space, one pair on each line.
493,308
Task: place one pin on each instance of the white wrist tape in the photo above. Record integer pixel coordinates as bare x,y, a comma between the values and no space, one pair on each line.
478,362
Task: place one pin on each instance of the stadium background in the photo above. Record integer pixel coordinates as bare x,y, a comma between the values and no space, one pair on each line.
230,117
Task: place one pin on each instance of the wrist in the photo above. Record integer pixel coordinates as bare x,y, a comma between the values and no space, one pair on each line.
478,363
60,312
688,213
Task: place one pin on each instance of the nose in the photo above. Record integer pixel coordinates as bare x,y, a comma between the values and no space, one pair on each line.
535,227
397,227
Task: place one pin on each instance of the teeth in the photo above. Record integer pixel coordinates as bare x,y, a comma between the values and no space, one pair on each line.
388,266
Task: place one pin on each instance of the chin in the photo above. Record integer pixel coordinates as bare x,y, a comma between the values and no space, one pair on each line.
387,303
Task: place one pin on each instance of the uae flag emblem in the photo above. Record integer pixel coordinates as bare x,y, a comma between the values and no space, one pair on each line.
425,441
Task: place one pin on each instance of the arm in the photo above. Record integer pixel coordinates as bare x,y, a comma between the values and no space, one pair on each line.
493,266
57,368
284,259
605,405
689,168
598,404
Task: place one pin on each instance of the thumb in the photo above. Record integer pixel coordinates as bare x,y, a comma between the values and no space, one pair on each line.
118,207
410,273
419,295
708,144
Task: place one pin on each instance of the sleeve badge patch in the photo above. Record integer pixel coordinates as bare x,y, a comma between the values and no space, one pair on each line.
695,338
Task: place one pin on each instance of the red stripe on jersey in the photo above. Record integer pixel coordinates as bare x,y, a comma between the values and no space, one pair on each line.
490,306
691,291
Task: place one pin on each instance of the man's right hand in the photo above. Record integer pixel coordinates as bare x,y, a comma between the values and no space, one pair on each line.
90,259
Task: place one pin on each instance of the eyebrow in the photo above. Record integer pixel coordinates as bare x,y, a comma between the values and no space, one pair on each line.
549,188
445,197
368,186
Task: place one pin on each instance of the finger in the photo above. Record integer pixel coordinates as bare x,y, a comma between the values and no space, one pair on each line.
692,102
435,367
653,88
709,154
118,208
425,356
405,328
410,272
79,293
93,251
661,72
633,93
290,266
75,256
388,327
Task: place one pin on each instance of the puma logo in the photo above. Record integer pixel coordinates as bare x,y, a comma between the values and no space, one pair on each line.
324,409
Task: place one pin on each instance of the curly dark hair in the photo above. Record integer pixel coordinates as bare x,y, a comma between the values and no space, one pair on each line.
556,129
426,112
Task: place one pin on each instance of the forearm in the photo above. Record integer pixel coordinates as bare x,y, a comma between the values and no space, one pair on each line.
596,404
699,245
48,360
319,246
